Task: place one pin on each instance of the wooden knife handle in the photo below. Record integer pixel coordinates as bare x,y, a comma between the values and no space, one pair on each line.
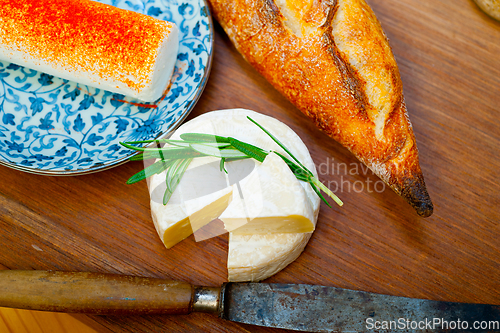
96,293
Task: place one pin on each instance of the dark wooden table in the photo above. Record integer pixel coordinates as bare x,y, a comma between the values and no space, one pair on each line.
449,57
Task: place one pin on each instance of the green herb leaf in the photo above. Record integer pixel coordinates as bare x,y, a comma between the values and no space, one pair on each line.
173,177
157,167
216,152
236,158
138,157
181,143
176,158
177,143
325,189
171,153
200,137
297,170
173,174
166,196
315,189
305,175
249,150
279,144
129,146
222,167
157,141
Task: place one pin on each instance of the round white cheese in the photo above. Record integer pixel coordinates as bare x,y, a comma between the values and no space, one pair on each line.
251,257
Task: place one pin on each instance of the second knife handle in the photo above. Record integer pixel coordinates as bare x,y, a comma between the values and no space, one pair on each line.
94,293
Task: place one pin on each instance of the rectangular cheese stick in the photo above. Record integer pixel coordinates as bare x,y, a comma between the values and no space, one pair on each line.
91,43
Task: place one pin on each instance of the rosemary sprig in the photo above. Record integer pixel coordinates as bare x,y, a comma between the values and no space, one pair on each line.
249,150
157,167
174,175
175,155
281,145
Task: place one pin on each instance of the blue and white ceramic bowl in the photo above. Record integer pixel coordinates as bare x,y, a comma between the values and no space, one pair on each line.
52,126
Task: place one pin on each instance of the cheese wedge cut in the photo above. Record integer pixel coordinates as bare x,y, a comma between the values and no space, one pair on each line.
193,204
91,43
269,200
254,257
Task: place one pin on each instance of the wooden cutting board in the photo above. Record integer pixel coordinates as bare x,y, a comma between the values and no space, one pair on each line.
448,53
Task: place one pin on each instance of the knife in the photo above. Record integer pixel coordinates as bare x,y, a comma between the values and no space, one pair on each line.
292,306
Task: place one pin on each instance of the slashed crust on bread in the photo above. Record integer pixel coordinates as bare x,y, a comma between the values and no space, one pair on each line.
332,60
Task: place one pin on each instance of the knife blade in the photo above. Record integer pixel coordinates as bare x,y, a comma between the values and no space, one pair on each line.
329,309
291,306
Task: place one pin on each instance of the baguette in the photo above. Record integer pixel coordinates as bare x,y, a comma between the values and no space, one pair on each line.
332,60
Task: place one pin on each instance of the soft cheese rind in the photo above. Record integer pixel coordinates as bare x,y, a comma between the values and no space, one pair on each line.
257,257
269,200
192,205
91,43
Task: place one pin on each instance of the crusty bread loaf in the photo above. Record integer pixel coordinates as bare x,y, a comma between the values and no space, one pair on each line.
490,7
333,61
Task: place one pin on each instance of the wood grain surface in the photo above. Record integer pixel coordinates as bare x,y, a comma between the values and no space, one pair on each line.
448,53
26,321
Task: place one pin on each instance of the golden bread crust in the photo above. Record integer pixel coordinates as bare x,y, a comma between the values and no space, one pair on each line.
333,61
